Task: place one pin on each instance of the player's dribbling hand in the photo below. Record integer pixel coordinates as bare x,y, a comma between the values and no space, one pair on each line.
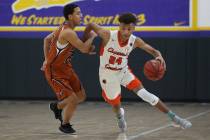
43,66
162,61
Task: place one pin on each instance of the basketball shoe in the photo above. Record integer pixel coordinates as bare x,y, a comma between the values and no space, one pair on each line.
57,112
121,120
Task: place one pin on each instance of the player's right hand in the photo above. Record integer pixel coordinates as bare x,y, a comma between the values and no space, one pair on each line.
162,61
43,66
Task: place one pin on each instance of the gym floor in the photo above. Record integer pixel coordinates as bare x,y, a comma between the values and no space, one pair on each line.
32,120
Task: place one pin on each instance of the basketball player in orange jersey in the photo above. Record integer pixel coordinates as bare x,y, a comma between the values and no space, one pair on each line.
114,71
58,49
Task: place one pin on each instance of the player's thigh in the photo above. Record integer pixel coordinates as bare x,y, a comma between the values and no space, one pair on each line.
81,95
61,88
76,86
130,81
110,85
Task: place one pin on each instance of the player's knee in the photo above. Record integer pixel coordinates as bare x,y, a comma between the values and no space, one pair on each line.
71,99
113,101
82,96
148,97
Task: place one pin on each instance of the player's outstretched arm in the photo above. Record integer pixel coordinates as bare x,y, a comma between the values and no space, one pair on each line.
101,32
73,39
139,43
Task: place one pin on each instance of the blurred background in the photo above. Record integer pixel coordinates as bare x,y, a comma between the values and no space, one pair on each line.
180,29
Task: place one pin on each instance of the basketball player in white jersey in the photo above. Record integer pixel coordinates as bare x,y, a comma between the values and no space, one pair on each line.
114,71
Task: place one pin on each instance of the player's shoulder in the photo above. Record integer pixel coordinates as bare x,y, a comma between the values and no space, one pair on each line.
68,32
138,41
105,33
137,38
113,32
133,38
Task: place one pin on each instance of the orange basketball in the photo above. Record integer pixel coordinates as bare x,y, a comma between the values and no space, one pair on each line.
153,70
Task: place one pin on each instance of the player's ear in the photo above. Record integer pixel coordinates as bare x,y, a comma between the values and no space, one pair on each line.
70,17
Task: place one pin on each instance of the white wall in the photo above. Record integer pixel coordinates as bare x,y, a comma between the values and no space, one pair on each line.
204,13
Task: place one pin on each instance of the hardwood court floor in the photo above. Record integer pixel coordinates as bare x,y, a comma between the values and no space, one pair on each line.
32,120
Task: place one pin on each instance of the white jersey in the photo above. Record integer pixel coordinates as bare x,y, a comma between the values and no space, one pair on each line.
114,56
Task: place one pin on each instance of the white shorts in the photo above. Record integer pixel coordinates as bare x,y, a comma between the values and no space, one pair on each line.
111,82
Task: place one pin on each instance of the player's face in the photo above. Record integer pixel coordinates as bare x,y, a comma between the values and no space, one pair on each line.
126,30
76,17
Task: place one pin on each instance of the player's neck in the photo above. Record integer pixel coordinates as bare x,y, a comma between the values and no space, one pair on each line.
122,41
70,24
121,38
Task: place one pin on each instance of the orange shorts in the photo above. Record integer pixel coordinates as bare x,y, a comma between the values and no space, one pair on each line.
63,85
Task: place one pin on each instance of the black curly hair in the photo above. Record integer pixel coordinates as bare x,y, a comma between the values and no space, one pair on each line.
127,18
69,9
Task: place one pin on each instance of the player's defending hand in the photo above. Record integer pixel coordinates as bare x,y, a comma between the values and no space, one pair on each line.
97,41
92,50
43,66
162,61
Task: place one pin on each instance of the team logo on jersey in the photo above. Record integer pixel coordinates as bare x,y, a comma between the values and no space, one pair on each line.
104,81
24,5
111,50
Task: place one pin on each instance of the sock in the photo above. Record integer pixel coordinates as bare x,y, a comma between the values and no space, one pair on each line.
119,114
171,114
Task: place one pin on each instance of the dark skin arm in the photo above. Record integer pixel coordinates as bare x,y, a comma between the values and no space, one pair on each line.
66,36
103,33
139,43
70,36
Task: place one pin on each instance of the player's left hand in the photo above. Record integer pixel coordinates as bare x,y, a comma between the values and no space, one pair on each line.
43,66
162,61
96,43
92,50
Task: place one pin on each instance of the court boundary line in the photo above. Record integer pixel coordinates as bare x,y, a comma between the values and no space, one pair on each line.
165,126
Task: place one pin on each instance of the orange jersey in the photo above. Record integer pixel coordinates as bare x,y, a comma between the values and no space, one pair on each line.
59,60
59,72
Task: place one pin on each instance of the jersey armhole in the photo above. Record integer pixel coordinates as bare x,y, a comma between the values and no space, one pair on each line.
133,40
